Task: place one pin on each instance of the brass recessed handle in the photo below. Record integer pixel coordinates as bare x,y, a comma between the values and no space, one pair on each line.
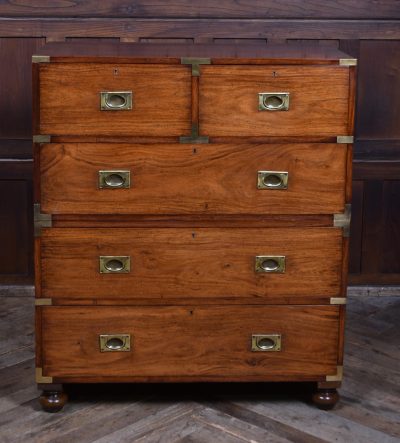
116,100
115,342
270,264
272,179
114,179
266,342
273,101
114,264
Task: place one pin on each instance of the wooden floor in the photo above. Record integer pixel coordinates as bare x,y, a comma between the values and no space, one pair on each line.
368,412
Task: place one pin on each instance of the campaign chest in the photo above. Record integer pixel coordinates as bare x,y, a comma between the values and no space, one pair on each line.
192,210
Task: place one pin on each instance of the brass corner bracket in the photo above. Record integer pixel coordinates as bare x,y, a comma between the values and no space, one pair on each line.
343,220
347,139
348,62
40,220
195,62
338,300
338,376
40,59
194,137
41,138
42,379
43,302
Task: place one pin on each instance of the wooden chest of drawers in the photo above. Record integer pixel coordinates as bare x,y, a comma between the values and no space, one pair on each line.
192,206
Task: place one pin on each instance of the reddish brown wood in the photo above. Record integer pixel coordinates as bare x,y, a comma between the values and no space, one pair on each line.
70,99
349,174
191,262
52,400
190,221
195,102
176,336
352,98
182,301
326,399
38,337
193,179
38,266
342,324
318,101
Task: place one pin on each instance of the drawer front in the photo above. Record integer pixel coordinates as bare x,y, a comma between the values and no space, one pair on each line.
183,179
317,100
71,101
189,341
204,262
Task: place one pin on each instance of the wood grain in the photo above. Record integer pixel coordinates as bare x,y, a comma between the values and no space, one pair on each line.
190,262
362,9
318,100
186,179
176,335
55,29
70,99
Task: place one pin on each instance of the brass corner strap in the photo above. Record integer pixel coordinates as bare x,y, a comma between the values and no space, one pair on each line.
40,58
43,302
40,220
194,137
40,378
41,138
195,62
343,220
346,139
348,62
338,300
338,376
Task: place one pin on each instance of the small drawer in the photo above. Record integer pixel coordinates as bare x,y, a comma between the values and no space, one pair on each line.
170,263
274,100
144,100
238,178
230,341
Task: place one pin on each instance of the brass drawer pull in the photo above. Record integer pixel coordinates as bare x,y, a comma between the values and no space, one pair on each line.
115,342
272,180
270,264
116,100
266,342
114,264
114,179
273,101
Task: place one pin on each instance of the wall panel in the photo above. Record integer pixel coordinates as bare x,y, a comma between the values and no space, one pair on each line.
366,29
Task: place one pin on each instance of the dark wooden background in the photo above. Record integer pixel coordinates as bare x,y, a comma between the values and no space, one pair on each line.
366,29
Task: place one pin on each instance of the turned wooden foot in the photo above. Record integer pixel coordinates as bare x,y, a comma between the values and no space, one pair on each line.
325,398
53,401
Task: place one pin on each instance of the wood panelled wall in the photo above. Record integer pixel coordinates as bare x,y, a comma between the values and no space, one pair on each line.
366,29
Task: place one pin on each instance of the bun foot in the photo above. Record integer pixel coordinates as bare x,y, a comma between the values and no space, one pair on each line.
53,401
325,398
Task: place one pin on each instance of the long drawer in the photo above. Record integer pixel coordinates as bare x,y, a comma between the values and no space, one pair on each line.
237,178
200,262
113,99
274,100
226,341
